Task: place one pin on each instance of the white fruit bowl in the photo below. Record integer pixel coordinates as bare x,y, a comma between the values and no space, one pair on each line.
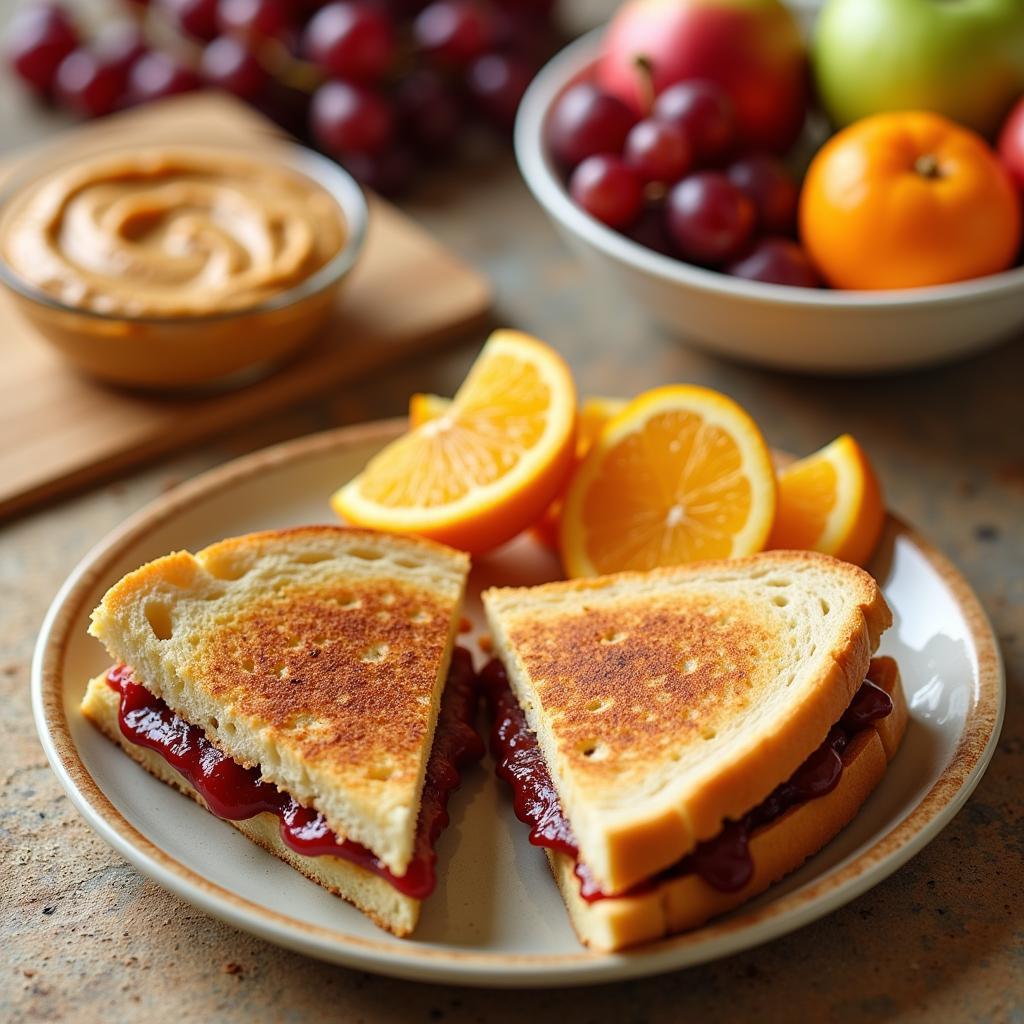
808,330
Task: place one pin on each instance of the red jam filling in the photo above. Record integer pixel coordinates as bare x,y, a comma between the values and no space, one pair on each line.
723,861
235,793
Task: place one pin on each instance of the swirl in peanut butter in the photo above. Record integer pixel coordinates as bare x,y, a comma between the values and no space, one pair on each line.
171,233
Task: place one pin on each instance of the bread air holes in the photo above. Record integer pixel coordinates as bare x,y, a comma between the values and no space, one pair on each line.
375,654
599,704
593,750
614,637
158,616
780,601
312,557
408,563
228,567
419,616
366,554
825,608
378,772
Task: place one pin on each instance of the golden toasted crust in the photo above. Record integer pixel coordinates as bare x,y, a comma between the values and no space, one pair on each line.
776,849
318,653
378,899
665,702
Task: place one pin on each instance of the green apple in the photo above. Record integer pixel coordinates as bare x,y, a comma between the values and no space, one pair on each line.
961,58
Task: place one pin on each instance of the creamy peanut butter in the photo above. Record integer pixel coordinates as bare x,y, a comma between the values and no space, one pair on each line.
170,232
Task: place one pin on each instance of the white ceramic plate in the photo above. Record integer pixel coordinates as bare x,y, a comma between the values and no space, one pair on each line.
496,917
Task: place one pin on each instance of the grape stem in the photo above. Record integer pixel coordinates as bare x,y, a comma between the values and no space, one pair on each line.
645,81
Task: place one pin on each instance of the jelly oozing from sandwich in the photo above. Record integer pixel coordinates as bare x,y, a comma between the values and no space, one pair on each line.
236,793
723,861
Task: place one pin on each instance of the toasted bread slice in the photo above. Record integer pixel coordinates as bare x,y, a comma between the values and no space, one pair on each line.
776,849
318,653
666,702
373,895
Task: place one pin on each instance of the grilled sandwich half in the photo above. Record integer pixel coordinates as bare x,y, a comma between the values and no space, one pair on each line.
680,739
294,682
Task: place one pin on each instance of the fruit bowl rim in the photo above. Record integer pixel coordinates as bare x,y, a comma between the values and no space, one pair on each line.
573,64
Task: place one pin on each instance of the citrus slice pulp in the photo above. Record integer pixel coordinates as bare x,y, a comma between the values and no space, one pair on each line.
486,468
682,473
830,501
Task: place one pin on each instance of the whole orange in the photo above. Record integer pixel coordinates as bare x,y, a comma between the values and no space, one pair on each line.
902,200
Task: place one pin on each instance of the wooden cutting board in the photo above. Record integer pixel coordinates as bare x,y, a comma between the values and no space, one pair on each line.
60,431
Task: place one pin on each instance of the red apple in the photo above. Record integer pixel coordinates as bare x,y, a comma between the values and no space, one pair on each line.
752,48
1011,144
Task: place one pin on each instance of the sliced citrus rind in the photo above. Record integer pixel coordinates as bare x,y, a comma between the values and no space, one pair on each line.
831,502
682,473
594,413
424,407
487,467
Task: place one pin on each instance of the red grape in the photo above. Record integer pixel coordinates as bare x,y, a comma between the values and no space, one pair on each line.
348,119
586,121
538,9
390,172
705,113
38,39
520,34
118,45
285,105
777,261
196,18
772,188
497,83
650,230
230,64
429,110
156,75
454,31
607,189
658,151
351,40
88,86
253,19
709,218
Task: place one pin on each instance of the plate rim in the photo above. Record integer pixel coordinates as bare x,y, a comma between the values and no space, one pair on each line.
400,958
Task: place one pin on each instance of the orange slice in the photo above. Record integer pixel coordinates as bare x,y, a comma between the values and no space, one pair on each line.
595,412
681,474
424,407
830,502
487,468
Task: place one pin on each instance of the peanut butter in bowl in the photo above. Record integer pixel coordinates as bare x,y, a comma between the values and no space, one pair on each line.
177,265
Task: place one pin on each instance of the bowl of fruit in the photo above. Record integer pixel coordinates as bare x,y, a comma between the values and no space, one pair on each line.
874,230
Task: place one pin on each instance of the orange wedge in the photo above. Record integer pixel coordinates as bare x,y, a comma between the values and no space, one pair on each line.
424,407
595,412
681,474
830,502
486,468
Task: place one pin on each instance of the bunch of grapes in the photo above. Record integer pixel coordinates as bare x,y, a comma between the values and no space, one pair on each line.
680,180
384,86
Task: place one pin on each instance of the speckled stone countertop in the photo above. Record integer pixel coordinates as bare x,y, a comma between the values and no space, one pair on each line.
84,937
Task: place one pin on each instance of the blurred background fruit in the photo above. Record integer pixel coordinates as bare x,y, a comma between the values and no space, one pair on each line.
905,200
1011,144
386,87
960,58
751,48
